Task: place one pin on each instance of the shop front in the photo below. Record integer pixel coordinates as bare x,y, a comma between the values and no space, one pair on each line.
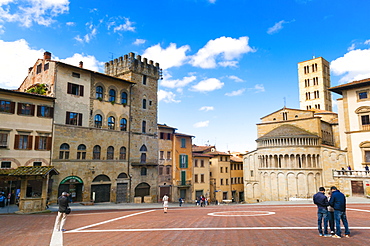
74,186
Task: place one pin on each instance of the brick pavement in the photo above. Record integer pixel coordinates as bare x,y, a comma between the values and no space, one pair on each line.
188,226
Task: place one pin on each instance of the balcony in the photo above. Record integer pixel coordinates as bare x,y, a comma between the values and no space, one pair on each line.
184,183
147,162
350,174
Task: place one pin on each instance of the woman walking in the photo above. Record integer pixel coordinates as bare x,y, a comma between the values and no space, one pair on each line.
165,203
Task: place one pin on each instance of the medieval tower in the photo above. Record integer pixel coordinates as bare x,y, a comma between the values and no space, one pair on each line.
314,81
142,123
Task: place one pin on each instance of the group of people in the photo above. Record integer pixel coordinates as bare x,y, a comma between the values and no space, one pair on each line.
331,211
202,201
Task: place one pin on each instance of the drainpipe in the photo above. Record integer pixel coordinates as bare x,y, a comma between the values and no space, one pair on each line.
129,145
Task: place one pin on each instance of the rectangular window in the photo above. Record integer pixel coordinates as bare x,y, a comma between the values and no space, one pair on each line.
3,140
201,163
226,170
195,163
73,118
76,75
45,111
227,181
362,95
365,120
37,163
183,143
168,170
23,142
42,143
160,171
168,155
6,164
144,79
210,174
81,155
7,106
46,66
38,69
202,178
168,136
196,178
74,89
221,169
183,161
161,155
251,173
367,156
26,109
221,181
161,135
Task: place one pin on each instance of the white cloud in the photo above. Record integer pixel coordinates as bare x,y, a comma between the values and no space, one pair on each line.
352,47
235,93
212,1
127,26
89,36
178,82
224,49
169,57
208,85
20,53
235,78
258,88
367,41
28,12
354,65
201,124
139,41
167,96
277,27
206,108
70,23
89,62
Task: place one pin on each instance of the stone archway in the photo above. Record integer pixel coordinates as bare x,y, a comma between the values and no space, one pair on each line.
141,190
100,188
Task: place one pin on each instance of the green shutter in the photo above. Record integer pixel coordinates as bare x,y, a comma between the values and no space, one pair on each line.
186,159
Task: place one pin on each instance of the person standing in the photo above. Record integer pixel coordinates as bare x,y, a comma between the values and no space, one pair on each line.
331,217
180,201
322,204
338,202
62,216
165,203
367,169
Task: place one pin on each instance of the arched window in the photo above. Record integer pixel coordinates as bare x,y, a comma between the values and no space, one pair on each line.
124,98
99,93
112,95
143,126
64,151
98,119
110,153
101,178
96,152
143,158
81,152
123,124
143,148
122,153
144,103
111,122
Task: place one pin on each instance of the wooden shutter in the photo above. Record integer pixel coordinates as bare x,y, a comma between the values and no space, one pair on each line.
38,110
29,142
67,117
186,161
16,142
80,119
48,143
19,109
32,109
69,88
37,140
81,90
12,107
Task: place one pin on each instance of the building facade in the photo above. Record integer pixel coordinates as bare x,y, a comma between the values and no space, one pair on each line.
105,129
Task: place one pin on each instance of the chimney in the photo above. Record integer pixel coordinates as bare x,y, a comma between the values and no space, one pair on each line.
47,55
81,64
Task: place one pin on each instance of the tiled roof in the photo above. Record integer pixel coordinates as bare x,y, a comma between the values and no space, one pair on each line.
236,159
33,171
165,126
202,155
321,111
287,130
354,84
183,134
197,148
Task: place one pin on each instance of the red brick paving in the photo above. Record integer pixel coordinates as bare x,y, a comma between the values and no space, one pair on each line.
37,229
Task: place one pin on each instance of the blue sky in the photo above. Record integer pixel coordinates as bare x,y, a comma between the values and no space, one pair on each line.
227,63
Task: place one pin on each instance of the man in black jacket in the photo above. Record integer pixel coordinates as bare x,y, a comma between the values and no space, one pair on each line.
322,204
338,202
62,216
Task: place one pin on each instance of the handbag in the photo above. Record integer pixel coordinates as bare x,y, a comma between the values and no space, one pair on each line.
68,210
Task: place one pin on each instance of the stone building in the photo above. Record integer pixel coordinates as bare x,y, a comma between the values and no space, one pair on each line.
26,126
202,185
354,128
296,153
314,81
237,183
104,140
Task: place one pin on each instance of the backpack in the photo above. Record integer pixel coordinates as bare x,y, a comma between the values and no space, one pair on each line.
2,198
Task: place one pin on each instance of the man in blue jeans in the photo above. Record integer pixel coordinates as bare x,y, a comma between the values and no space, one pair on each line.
322,204
338,202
